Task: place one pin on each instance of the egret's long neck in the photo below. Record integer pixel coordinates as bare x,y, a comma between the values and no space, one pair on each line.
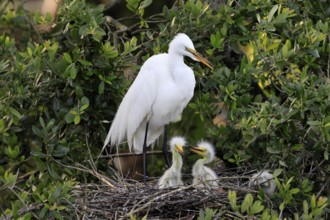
200,163
175,62
198,166
176,161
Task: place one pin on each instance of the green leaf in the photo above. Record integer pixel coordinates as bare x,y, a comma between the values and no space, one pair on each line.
298,147
313,201
258,17
322,201
101,87
233,200
27,216
282,163
85,100
314,53
38,153
52,173
272,150
144,4
277,172
132,5
272,12
85,63
98,34
69,118
294,190
67,57
85,104
29,50
15,112
247,203
13,152
50,124
256,208
43,213
73,71
109,51
313,123
37,131
326,154
2,126
42,123
60,151
84,31
76,119
55,194
73,112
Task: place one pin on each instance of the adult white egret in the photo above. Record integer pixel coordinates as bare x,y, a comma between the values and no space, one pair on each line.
203,175
172,176
265,180
158,95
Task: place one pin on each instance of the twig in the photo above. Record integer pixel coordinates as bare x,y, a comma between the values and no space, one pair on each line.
23,211
116,23
129,154
133,211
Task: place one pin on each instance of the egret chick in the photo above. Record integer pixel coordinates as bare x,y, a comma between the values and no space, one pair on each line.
158,95
203,175
265,180
172,176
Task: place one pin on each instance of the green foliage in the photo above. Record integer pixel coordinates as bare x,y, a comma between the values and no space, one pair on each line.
315,209
48,101
60,90
206,214
248,206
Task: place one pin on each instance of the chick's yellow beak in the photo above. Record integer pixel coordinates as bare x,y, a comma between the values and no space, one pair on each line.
197,150
179,149
200,58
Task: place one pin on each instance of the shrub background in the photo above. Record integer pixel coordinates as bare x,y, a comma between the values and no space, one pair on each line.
60,90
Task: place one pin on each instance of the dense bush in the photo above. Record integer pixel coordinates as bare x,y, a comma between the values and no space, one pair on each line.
60,90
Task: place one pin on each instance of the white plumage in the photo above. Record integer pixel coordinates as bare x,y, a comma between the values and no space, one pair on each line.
265,180
158,95
172,176
203,175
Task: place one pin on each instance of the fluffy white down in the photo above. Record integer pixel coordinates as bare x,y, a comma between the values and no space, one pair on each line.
177,140
264,180
209,149
160,92
203,175
172,176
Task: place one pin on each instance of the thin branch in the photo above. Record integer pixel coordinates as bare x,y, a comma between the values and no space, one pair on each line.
22,211
133,211
129,154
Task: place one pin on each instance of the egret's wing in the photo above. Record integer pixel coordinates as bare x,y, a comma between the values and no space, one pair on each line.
135,106
210,175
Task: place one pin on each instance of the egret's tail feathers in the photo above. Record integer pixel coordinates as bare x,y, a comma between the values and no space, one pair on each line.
106,142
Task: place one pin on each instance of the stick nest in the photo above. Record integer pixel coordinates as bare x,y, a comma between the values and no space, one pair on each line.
128,199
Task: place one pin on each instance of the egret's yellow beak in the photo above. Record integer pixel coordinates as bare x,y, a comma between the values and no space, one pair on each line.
197,150
200,58
179,149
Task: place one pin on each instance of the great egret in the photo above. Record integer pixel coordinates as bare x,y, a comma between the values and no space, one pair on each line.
158,95
172,176
203,175
265,180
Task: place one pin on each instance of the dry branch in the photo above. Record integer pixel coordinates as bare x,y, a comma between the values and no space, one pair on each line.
95,201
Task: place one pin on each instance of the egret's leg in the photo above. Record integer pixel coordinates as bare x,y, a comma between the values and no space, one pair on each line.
145,156
165,152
